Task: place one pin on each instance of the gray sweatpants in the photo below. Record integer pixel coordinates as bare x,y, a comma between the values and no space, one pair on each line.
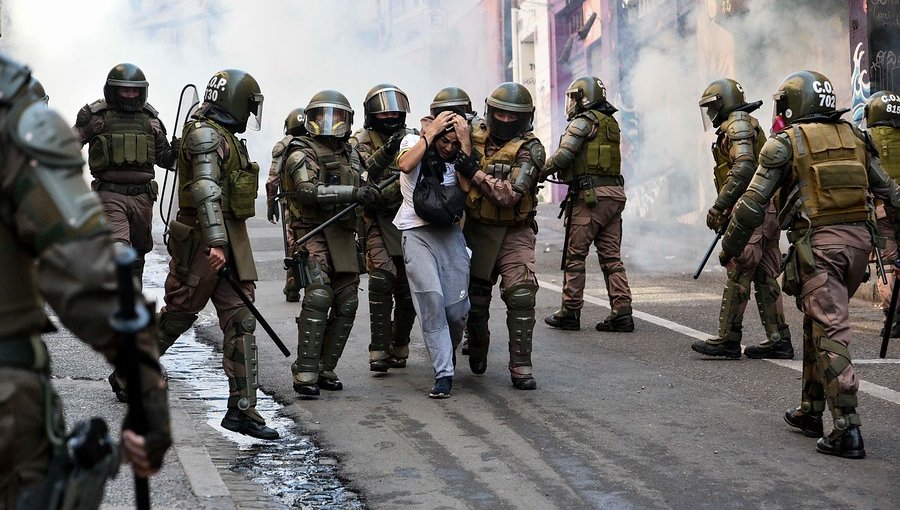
437,267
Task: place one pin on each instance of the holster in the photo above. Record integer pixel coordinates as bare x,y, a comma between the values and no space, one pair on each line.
183,242
298,267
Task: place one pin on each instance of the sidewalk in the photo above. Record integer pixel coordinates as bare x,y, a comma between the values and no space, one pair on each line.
198,468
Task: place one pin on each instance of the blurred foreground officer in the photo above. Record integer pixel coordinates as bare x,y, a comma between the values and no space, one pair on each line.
738,142
500,228
883,125
820,167
56,247
325,172
589,160
378,143
125,139
278,196
217,185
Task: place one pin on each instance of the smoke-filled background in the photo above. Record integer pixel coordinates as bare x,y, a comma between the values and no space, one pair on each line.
293,49
656,57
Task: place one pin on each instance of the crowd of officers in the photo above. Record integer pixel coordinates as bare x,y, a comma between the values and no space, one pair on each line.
820,170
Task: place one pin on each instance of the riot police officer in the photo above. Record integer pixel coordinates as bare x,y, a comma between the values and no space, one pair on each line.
217,186
820,166
325,172
589,160
57,248
278,192
738,142
385,108
500,228
883,125
125,139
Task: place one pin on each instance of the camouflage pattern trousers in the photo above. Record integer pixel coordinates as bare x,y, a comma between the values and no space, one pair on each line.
601,226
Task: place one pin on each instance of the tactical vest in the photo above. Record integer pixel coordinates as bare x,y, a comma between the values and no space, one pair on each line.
600,155
830,174
887,141
500,165
391,198
238,177
335,168
126,143
723,159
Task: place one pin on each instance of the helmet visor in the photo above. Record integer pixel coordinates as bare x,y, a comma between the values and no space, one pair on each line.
573,101
254,120
328,121
389,100
710,106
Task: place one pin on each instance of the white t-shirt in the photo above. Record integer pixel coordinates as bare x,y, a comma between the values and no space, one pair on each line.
406,217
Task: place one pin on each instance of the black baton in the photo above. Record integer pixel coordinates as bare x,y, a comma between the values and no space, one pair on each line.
226,273
889,319
712,246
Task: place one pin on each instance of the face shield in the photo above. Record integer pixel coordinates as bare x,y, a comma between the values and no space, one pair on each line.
389,100
573,102
710,106
780,112
254,120
328,121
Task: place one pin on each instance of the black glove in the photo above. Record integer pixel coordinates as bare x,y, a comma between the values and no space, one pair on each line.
715,218
272,210
367,196
176,145
466,165
392,146
724,258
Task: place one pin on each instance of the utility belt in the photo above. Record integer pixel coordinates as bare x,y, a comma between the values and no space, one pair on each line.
25,351
589,181
150,188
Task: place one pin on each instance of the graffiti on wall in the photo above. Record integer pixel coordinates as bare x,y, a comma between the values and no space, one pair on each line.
859,84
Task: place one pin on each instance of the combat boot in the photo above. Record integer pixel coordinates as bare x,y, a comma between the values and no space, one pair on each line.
237,421
777,347
118,387
292,296
845,439
727,347
619,321
809,424
565,318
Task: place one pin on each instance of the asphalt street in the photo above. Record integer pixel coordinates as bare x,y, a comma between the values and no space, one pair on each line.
634,420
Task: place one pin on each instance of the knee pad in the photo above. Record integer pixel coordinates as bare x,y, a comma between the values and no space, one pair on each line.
318,298
520,296
381,282
575,263
244,322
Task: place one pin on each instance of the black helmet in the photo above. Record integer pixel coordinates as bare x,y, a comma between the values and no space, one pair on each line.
238,94
510,98
454,99
385,98
37,89
805,96
883,109
126,76
295,122
584,93
720,98
329,114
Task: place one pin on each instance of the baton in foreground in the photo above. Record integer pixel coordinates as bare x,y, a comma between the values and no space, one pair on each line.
228,276
126,322
712,246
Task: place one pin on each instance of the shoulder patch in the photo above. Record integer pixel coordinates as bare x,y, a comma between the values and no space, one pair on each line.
201,139
776,152
44,135
739,126
151,110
